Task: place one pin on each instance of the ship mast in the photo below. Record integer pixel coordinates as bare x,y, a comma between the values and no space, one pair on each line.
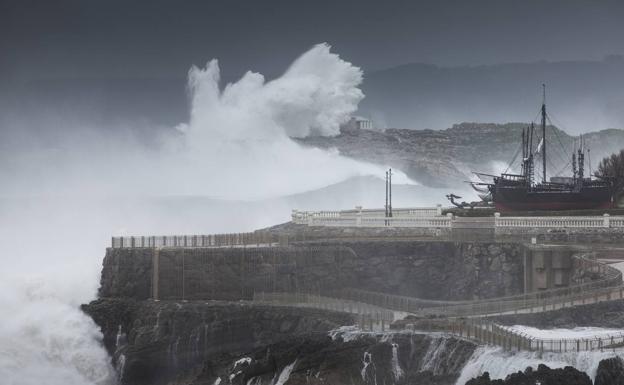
531,166
544,133
390,193
386,194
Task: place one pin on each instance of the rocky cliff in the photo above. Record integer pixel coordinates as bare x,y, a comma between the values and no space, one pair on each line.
238,343
543,376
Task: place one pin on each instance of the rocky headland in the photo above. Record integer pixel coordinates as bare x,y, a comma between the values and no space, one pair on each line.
446,158
178,315
198,342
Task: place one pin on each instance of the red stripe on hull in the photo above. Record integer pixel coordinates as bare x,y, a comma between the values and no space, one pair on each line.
551,206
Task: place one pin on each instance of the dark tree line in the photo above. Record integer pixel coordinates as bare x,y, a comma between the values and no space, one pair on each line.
612,167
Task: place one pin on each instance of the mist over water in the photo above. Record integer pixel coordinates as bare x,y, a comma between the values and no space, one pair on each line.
66,196
241,134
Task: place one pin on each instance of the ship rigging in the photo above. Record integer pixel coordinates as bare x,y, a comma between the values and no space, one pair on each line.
509,191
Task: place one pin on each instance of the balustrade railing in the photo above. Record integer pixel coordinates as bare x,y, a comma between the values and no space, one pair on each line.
409,217
432,217
401,217
560,221
405,222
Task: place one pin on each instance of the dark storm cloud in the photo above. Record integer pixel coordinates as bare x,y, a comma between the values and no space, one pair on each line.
126,61
161,38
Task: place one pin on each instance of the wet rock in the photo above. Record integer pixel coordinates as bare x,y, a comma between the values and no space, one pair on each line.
400,358
495,265
198,342
543,376
166,338
610,372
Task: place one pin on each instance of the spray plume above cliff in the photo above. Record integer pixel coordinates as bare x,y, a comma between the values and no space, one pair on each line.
243,132
236,145
71,193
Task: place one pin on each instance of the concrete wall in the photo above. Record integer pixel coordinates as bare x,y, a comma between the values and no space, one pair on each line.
425,269
548,267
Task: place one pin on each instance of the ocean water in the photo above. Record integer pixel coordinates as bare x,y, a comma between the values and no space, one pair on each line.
231,168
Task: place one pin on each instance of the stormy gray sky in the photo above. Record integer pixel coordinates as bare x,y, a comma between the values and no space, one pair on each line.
161,38
91,90
117,61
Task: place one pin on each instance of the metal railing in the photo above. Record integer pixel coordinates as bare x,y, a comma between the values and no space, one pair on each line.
209,240
608,286
369,317
479,329
490,333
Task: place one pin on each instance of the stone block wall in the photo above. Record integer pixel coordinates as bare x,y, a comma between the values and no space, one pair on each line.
425,269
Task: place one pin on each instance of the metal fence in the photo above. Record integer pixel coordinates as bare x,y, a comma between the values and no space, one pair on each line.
608,286
479,329
369,317
490,333
210,240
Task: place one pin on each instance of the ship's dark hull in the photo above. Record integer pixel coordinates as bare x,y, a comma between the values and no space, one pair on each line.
511,198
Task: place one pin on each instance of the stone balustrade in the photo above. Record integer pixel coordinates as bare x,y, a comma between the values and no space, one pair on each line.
431,217
359,217
423,218
560,221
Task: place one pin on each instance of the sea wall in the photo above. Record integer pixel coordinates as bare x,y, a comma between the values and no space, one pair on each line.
425,269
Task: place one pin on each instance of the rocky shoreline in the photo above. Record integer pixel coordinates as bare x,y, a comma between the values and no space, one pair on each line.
198,342
220,342
185,339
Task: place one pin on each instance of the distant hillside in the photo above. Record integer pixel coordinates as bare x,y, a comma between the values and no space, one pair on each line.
445,158
582,95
